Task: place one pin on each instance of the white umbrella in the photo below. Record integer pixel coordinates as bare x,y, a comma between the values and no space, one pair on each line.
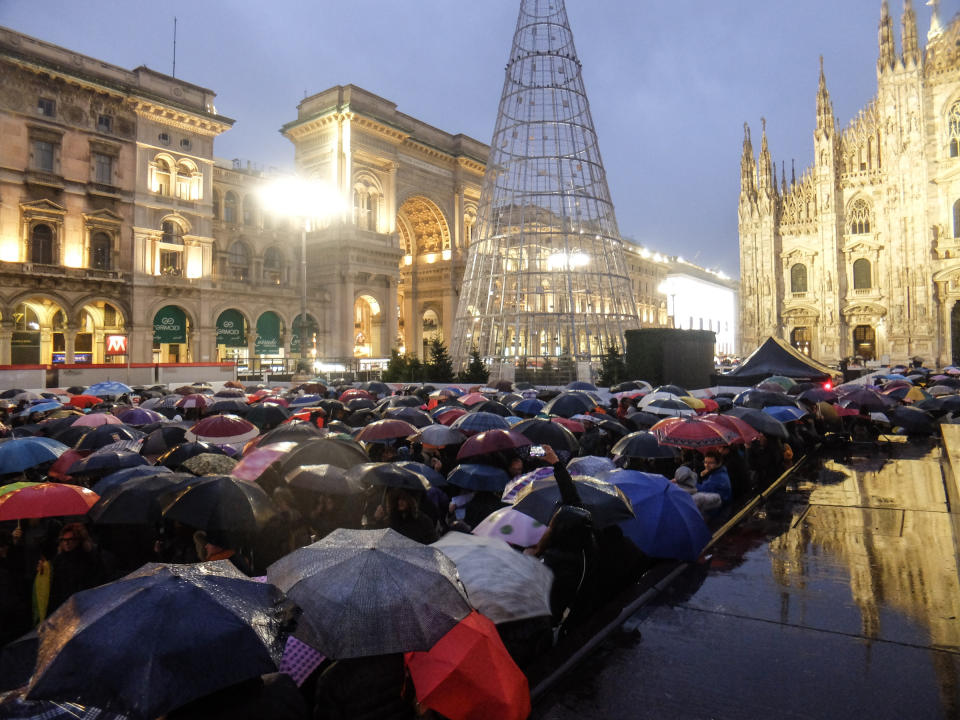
659,395
501,583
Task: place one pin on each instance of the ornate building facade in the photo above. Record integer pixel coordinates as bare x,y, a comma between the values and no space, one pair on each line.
123,238
860,255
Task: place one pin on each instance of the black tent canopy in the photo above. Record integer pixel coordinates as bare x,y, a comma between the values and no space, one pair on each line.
775,357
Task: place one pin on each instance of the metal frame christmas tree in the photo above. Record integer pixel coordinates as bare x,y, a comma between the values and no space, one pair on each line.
545,279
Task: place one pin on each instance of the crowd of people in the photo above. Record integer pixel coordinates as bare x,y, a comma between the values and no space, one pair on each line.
46,558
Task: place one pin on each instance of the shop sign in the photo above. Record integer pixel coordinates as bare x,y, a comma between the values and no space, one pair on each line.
170,325
231,329
268,334
116,345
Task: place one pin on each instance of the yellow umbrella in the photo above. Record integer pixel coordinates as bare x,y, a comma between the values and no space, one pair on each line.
915,395
693,402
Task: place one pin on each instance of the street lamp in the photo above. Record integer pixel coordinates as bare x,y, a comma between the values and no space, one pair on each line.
307,201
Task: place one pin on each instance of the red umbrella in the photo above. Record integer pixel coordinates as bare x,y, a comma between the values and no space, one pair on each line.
472,399
469,675
710,405
256,461
447,417
572,425
274,400
386,430
744,429
491,441
222,430
46,500
97,419
693,433
354,393
196,400
84,401
58,470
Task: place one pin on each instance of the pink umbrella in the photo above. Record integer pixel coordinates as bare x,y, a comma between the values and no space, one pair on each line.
98,419
472,399
195,400
253,465
275,400
222,430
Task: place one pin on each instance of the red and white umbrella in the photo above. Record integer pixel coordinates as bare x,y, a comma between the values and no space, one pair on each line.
693,433
98,419
256,461
222,430
196,400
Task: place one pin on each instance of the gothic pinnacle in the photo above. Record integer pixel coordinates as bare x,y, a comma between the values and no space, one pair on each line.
887,56
911,53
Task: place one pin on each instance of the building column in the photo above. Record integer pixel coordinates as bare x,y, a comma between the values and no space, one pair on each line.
46,345
140,343
345,337
99,346
391,326
6,342
69,345
944,348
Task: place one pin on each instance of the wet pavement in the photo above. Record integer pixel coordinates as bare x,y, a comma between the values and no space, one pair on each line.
838,598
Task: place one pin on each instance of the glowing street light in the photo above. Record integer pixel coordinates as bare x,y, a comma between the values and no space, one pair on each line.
309,201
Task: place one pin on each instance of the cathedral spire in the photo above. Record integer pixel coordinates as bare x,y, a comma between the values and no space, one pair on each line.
911,55
936,29
748,166
765,164
824,106
885,39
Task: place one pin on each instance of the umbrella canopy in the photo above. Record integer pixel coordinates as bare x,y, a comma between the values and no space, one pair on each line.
390,429
107,435
570,403
762,398
784,382
492,406
59,469
93,649
607,503
162,439
470,675
492,441
668,523
511,526
42,500
122,476
446,415
417,418
210,464
785,413
84,401
386,474
179,454
371,592
228,406
104,463
472,399
759,420
326,479
193,400
425,471
865,398
375,387
440,436
355,393
590,465
266,415
138,417
222,430
669,408
97,419
659,394
501,583
528,407
138,500
19,454
912,419
259,459
693,433
642,445
545,432
111,388
478,422
818,394
478,477
629,385
746,433
229,510
294,431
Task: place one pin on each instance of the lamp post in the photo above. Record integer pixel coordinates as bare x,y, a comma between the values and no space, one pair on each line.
308,201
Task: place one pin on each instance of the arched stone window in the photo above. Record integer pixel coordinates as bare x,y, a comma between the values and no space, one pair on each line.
238,261
100,251
171,249
798,278
163,175
41,245
230,207
953,129
189,181
861,275
860,217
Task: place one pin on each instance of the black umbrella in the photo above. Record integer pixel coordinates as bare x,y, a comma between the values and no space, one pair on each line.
327,479
387,474
417,418
606,502
361,404
231,511
866,399
643,419
77,389
642,445
763,398
298,432
162,439
371,592
230,392
362,417
544,432
106,462
612,426
375,387
759,420
672,389
11,393
156,639
628,385
139,500
570,403
332,407
950,403
267,415
912,419
316,451
232,406
69,434
17,660
107,435
401,401
177,455
492,406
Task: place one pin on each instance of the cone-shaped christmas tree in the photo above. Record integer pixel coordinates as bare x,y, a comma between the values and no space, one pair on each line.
546,276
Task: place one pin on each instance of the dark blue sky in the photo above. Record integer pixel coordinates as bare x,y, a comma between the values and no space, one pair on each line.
670,83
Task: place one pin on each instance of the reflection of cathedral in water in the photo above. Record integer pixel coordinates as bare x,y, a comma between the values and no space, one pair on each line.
886,526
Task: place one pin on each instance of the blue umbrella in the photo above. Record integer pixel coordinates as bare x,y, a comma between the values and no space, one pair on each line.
40,407
478,477
104,463
668,523
530,406
590,465
121,476
785,413
432,476
110,387
305,400
480,422
18,454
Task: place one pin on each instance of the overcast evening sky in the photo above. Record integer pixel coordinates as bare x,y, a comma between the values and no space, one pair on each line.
670,82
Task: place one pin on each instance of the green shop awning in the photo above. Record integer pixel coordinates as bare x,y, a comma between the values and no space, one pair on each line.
170,325
268,334
231,329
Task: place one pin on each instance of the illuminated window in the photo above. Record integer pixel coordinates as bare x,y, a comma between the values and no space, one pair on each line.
41,245
861,275
798,278
860,217
953,129
172,233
